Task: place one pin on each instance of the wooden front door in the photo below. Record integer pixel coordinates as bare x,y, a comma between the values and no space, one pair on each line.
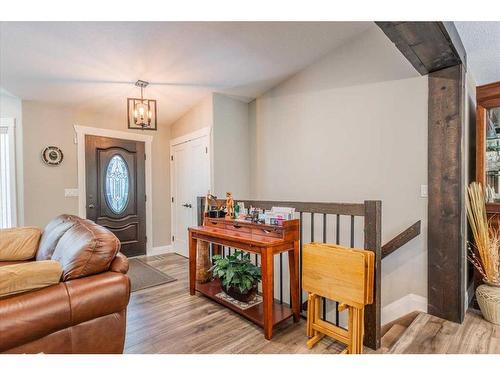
115,189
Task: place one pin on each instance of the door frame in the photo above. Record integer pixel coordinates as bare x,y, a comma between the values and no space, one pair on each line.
10,124
206,131
81,132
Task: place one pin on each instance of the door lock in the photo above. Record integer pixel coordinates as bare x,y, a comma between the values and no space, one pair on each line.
91,206
188,205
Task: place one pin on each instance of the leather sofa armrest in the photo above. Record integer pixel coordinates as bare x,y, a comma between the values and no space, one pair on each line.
119,264
33,315
97,295
30,316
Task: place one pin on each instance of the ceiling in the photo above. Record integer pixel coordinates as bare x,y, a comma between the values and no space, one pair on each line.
94,64
482,44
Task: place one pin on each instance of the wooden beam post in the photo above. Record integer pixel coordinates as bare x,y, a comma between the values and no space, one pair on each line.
373,242
446,211
428,46
435,48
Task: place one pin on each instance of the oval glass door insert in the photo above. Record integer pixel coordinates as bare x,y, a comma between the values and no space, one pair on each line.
116,184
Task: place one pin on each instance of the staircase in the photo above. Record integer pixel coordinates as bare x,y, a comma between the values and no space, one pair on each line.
393,331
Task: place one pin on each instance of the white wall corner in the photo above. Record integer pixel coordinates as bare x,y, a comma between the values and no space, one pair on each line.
158,250
402,307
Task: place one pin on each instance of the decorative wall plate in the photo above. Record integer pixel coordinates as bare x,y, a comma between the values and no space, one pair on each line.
52,155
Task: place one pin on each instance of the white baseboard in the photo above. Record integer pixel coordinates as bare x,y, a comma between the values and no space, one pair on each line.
160,250
403,306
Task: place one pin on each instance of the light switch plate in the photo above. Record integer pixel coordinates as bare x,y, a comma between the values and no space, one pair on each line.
424,193
68,193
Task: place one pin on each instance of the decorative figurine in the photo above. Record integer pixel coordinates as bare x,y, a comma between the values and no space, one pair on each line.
229,206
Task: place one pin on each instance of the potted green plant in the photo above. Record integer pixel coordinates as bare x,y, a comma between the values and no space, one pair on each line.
238,276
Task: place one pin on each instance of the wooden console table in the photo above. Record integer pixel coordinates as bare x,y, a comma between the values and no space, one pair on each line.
266,240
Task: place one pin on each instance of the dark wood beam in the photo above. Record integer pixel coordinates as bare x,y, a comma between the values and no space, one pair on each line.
446,215
401,239
428,46
373,241
435,48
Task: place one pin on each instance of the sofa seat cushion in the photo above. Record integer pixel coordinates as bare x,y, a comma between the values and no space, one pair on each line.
19,243
24,277
85,249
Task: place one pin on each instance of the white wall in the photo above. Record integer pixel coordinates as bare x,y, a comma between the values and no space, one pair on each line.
200,116
231,148
351,127
228,118
11,107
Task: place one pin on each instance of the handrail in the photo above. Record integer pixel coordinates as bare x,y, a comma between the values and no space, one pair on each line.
401,239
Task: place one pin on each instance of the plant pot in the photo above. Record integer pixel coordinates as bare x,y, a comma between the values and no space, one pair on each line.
488,298
242,297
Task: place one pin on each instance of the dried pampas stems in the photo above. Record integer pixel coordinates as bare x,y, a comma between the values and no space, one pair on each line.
486,238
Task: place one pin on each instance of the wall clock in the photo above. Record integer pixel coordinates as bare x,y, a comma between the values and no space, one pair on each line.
52,155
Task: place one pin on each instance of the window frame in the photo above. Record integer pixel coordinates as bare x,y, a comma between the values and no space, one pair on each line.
10,124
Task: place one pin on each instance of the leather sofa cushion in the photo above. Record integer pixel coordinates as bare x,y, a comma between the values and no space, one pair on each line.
85,249
24,277
53,233
19,243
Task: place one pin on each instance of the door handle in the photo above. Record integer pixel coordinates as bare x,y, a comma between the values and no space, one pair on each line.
188,205
91,206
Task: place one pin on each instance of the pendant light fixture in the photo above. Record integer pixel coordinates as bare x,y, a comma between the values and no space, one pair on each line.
141,111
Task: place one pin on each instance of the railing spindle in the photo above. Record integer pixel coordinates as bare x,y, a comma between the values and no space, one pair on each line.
337,230
324,228
281,278
300,261
312,226
337,241
352,230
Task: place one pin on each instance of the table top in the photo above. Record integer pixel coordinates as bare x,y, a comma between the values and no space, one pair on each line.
246,238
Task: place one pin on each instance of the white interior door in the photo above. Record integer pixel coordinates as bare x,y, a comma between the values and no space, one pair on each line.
190,179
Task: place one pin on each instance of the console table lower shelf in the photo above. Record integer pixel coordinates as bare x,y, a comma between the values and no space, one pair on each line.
254,313
266,241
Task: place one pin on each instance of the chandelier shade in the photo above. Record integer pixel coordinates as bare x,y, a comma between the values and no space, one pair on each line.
141,112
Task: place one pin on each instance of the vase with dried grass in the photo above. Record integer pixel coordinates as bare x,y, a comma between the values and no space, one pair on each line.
484,253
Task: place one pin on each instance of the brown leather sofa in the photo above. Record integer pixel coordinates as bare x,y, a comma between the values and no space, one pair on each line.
86,311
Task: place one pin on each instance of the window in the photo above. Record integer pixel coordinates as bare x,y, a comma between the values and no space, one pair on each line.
7,174
117,184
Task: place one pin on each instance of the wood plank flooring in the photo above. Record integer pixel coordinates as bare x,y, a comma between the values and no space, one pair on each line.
166,319
429,334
